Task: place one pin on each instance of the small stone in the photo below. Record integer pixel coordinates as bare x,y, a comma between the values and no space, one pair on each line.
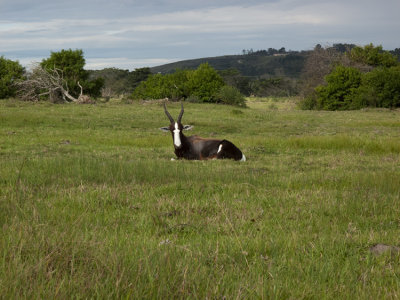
379,249
165,242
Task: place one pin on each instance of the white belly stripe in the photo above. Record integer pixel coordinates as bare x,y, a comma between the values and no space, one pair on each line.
219,149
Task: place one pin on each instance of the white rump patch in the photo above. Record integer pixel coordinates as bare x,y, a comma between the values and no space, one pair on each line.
243,158
219,149
177,138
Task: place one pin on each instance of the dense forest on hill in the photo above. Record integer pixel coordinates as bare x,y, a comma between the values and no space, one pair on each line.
255,64
269,63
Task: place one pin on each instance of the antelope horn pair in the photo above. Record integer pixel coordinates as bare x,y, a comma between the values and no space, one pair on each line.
170,117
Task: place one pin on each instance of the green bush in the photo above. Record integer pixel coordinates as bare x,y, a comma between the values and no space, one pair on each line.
342,85
152,88
160,86
201,84
231,95
204,83
379,88
373,56
308,103
10,72
348,88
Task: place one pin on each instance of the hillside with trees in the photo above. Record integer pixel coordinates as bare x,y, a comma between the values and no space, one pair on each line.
341,76
262,63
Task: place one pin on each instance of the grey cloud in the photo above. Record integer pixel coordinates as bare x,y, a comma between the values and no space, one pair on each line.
138,33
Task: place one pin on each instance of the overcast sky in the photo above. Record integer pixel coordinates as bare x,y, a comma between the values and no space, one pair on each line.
130,34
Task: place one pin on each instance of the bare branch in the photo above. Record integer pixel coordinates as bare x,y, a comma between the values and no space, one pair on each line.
51,83
80,95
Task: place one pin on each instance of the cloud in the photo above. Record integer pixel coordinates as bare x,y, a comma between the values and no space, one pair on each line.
122,62
133,31
64,32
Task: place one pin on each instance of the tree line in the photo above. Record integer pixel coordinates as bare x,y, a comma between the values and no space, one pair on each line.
342,76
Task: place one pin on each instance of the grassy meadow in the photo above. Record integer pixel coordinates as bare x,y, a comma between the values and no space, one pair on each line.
91,205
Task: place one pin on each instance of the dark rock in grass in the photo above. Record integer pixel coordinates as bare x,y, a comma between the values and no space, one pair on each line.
379,249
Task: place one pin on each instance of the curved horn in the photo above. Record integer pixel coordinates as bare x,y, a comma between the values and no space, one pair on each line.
168,114
180,114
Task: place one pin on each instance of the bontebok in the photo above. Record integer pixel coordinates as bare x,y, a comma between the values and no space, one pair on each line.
195,147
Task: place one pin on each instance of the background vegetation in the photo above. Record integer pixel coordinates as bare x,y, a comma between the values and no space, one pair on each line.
120,83
363,77
71,63
338,77
92,206
10,72
201,85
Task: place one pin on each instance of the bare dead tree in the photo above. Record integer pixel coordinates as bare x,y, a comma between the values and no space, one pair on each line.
48,83
319,63
83,99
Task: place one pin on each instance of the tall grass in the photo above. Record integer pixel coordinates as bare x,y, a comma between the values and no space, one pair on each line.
92,206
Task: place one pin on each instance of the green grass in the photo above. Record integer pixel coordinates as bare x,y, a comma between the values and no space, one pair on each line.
92,207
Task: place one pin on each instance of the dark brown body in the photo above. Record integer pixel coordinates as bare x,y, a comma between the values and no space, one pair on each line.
195,147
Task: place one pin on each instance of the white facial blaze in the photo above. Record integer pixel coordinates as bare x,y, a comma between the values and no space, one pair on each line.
177,138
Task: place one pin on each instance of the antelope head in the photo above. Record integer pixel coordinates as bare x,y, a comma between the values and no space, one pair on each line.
176,127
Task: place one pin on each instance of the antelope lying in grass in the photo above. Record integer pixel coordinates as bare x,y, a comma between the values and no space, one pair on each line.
197,148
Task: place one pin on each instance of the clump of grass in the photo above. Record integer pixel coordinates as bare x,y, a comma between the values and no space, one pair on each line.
231,95
272,106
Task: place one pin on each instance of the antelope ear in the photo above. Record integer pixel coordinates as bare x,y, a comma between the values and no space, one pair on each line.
165,129
188,127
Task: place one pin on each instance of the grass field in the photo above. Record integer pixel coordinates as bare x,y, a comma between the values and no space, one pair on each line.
91,206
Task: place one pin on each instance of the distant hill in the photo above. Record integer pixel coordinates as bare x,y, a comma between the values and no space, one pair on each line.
255,64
